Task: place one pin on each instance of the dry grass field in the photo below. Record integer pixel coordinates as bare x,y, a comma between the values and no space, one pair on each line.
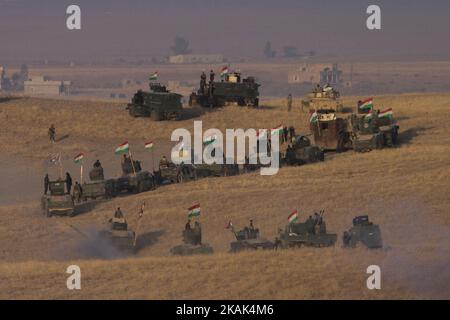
406,190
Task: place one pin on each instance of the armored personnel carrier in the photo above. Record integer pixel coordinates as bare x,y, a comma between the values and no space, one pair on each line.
133,179
192,244
323,98
301,152
98,187
58,202
363,231
310,233
159,103
119,235
172,173
249,239
233,89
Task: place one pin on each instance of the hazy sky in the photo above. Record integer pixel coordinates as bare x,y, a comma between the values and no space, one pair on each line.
142,28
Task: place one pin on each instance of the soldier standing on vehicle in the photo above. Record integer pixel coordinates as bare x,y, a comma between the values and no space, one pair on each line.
68,182
289,102
211,76
285,134
46,183
188,225
198,232
97,164
118,214
291,133
77,192
52,133
203,82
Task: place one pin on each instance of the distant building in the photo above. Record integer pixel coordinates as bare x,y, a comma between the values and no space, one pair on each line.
331,76
40,86
318,73
2,76
196,58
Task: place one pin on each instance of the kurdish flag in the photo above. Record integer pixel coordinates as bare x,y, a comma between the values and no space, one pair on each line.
224,71
78,158
209,140
149,145
277,130
366,104
385,113
261,134
123,148
153,76
293,217
368,116
194,211
314,117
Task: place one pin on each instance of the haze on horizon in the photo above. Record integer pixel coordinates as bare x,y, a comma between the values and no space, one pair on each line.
139,28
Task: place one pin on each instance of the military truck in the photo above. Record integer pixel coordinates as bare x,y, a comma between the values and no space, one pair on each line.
363,231
192,244
133,179
232,89
312,233
119,235
300,151
370,132
103,189
249,239
58,202
158,104
172,173
323,98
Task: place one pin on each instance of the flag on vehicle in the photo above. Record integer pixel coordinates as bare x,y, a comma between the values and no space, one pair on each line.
153,76
293,217
314,117
366,104
385,113
78,158
194,211
277,130
229,225
209,140
54,158
261,134
123,148
149,145
224,71
368,116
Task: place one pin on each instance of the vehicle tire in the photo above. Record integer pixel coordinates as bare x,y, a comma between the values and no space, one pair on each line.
71,213
156,116
180,178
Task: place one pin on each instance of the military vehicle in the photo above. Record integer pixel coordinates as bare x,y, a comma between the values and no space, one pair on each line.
159,103
301,152
104,189
192,244
58,202
249,239
119,235
363,231
172,173
231,90
323,98
311,233
133,179
370,132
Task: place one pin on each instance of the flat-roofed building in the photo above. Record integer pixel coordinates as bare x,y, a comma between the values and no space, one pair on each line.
40,86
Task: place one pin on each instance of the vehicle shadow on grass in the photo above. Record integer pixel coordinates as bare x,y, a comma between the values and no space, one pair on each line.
191,113
148,239
85,207
407,136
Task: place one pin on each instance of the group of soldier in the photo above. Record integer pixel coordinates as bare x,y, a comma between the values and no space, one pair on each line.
67,181
203,80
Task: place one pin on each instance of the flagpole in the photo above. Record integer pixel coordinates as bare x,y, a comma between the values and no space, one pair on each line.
153,160
81,173
132,162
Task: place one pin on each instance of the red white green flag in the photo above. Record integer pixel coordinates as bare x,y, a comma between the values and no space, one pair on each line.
224,71
122,148
293,217
314,117
385,113
277,130
78,158
149,145
366,104
153,76
194,211
209,140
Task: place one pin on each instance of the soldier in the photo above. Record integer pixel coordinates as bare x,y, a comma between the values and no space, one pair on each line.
211,76
118,214
68,182
77,192
52,133
198,233
310,224
163,162
203,82
97,164
46,183
188,225
289,102
346,239
291,132
285,134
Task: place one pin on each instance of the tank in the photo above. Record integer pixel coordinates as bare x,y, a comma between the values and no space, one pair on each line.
301,152
120,236
57,202
192,244
158,104
249,239
232,89
363,231
307,233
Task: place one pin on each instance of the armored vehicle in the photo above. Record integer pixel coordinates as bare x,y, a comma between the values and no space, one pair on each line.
309,233
96,174
249,239
119,235
172,173
230,90
301,152
370,132
323,98
58,202
133,179
192,244
104,189
159,103
363,231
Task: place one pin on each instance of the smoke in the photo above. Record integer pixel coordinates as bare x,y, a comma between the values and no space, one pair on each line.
419,250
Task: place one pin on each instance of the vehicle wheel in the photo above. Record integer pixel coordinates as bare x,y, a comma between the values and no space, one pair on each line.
71,213
156,116
180,178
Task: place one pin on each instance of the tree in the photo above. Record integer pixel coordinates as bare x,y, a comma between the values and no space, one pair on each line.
180,46
290,51
268,51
